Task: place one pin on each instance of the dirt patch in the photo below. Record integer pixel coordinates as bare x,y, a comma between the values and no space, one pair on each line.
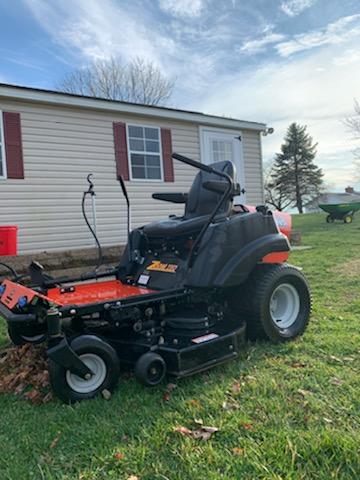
349,269
24,372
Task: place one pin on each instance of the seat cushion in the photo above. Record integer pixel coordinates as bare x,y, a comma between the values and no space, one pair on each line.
175,227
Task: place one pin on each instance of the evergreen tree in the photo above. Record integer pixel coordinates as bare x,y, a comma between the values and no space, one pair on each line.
294,177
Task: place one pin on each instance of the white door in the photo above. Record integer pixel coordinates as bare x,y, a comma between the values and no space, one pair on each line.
220,145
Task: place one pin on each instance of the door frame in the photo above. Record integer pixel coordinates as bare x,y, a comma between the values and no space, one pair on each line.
241,170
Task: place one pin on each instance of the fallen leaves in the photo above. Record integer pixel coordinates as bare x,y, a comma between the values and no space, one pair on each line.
248,426
200,433
304,393
195,403
106,394
236,387
230,404
327,420
24,371
238,451
336,381
335,359
298,365
204,433
119,456
167,394
55,441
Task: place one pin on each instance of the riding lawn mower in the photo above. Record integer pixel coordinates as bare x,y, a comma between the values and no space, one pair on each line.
186,294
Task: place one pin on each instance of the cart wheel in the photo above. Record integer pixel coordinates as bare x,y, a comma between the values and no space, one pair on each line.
150,369
329,219
279,303
100,357
348,219
38,335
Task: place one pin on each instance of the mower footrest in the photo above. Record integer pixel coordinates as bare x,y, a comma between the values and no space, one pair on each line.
203,352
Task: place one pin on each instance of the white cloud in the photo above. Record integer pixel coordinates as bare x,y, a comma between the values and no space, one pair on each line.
341,31
96,30
316,88
295,7
88,30
296,90
182,8
260,44
349,56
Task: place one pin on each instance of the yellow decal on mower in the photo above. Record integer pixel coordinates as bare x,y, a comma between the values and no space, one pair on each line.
162,267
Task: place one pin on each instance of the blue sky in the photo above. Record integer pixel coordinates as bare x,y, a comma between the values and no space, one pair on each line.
273,61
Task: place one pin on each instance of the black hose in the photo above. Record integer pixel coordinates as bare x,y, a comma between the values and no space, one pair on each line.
12,270
100,255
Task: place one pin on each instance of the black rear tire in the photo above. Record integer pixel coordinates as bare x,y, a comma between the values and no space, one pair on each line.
100,356
150,369
277,303
35,335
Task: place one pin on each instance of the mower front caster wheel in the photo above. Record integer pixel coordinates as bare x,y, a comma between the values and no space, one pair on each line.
330,219
150,369
102,360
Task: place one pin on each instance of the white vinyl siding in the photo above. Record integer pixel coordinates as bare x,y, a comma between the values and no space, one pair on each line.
2,149
62,145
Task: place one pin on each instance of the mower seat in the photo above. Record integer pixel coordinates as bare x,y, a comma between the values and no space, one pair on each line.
199,206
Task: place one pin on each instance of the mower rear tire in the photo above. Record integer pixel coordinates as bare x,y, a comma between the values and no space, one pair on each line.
277,303
100,357
150,369
348,219
37,336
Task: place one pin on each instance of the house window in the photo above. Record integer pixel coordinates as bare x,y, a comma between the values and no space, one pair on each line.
2,149
144,152
222,150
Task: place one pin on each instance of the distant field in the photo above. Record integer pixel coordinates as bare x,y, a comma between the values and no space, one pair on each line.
283,411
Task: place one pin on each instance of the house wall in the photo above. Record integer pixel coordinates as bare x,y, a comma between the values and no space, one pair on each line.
61,146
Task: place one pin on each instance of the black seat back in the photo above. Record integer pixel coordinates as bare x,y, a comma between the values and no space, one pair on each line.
201,201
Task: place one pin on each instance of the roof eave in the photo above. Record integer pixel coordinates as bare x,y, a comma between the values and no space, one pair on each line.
57,98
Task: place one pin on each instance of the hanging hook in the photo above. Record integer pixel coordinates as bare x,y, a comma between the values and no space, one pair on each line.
91,185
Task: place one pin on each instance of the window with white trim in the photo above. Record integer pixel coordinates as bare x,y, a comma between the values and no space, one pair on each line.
144,145
2,149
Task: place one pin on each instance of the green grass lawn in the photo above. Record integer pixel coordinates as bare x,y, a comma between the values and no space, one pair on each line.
283,411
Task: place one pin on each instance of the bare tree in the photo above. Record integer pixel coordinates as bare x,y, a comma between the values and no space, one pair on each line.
138,81
353,123
276,195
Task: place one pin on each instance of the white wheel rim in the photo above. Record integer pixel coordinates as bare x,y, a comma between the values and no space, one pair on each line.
97,366
284,305
34,338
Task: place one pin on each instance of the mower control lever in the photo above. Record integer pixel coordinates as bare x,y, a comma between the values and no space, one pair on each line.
193,163
125,193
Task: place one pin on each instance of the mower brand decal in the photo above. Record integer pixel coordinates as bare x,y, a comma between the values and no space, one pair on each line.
205,338
162,267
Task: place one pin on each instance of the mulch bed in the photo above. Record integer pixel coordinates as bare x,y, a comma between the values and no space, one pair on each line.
24,372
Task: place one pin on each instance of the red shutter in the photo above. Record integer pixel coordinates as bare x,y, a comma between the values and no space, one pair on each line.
13,145
167,152
121,152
